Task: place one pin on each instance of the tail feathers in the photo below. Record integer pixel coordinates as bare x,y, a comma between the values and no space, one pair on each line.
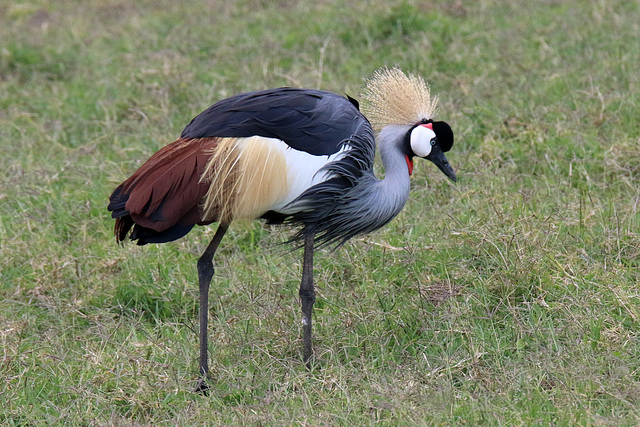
161,200
123,225
117,203
143,235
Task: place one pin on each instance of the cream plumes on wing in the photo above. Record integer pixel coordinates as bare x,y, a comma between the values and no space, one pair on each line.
245,177
392,97
218,174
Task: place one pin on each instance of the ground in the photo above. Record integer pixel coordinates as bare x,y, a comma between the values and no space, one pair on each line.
510,297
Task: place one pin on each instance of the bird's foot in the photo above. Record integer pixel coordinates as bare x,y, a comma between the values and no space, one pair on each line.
202,387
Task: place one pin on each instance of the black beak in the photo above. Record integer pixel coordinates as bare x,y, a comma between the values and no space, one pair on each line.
438,158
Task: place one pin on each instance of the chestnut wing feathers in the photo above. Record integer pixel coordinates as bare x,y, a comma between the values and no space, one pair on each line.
163,195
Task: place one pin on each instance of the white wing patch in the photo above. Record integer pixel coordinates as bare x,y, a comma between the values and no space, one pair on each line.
303,172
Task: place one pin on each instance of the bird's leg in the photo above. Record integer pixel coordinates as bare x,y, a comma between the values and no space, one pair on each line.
307,296
205,273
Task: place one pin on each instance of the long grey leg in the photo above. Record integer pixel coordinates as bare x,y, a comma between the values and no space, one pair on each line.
205,273
307,296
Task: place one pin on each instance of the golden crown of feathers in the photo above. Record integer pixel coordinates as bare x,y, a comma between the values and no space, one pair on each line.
392,97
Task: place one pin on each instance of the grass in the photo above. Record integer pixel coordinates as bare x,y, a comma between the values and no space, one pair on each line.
508,298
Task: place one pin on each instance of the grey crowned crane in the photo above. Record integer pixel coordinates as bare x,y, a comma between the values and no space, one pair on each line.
295,156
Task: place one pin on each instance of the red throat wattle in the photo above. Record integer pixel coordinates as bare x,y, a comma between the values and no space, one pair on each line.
409,164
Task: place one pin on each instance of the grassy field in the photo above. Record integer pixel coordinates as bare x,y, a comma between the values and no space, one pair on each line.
508,298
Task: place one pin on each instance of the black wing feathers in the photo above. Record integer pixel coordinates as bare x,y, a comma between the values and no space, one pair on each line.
307,120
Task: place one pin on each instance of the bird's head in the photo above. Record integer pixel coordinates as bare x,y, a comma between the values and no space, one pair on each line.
430,140
395,99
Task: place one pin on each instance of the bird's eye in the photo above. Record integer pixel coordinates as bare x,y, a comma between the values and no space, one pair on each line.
433,142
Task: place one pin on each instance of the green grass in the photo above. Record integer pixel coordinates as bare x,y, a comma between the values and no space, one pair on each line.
509,298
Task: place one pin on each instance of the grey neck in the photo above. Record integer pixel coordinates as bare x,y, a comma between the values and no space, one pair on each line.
394,187
374,202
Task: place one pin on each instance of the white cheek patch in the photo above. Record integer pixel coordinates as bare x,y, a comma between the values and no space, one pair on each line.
421,138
